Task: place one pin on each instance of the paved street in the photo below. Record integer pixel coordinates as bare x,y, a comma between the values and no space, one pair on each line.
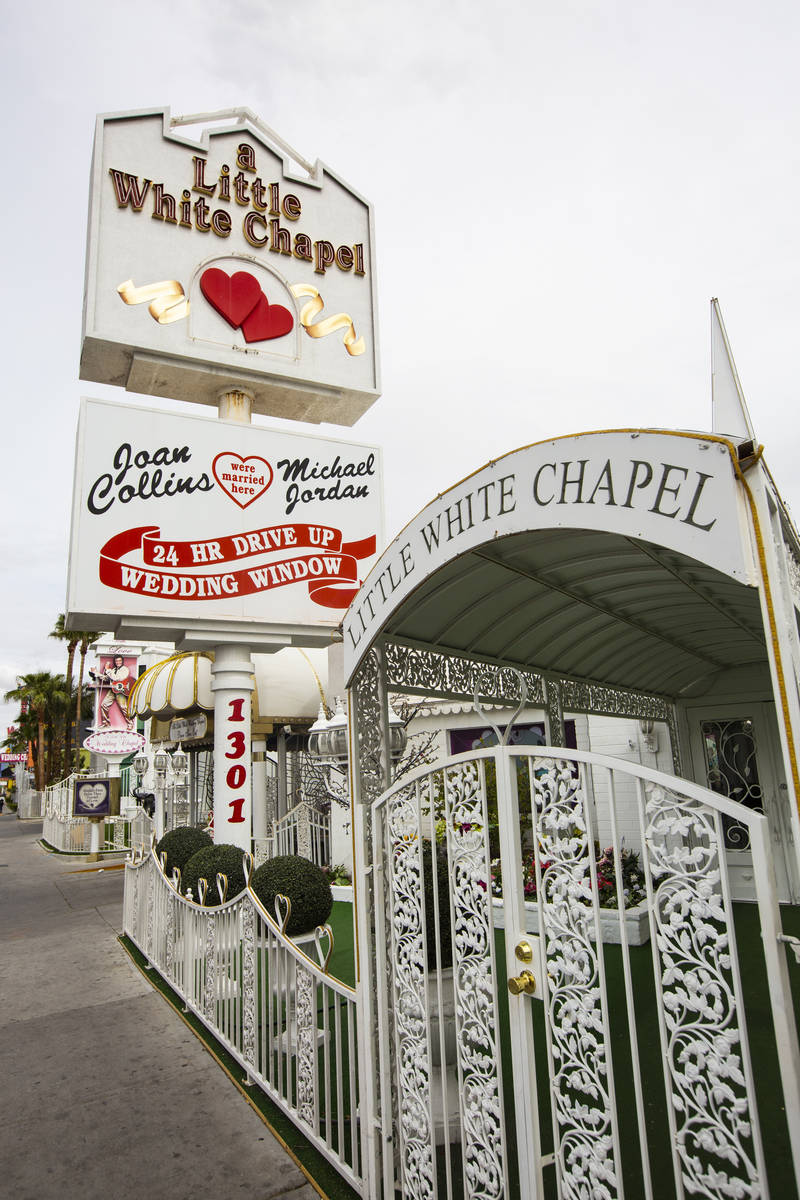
105,1091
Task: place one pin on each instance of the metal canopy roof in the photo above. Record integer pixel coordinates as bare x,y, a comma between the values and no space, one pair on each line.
591,605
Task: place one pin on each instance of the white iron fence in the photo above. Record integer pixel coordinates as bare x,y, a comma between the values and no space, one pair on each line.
72,835
30,804
290,1024
305,831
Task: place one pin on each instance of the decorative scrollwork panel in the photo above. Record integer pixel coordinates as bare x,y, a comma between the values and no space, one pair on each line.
306,1018
249,981
579,1056
210,990
713,1109
476,1017
432,673
413,1058
368,722
732,770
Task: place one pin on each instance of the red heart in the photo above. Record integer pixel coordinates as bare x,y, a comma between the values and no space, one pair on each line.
232,296
267,321
242,483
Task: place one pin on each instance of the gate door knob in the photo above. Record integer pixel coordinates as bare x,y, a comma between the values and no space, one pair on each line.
522,983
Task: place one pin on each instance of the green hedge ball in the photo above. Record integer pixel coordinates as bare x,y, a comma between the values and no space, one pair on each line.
305,885
221,858
180,844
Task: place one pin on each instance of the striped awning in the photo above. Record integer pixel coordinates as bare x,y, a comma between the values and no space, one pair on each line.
289,685
173,686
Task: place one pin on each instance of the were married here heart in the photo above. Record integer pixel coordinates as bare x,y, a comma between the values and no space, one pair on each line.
242,479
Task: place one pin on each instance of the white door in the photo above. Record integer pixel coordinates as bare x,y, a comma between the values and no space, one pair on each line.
734,754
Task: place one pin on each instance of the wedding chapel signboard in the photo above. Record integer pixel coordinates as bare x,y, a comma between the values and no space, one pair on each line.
226,258
178,516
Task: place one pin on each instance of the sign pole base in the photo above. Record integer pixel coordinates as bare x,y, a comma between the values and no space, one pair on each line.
95,824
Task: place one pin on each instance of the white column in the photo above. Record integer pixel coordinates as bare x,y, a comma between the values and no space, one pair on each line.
259,789
282,767
232,685
159,818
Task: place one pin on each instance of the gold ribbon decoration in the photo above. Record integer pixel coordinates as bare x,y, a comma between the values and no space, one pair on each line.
166,300
352,344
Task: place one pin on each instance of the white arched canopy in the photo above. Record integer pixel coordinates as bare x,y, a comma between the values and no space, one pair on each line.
587,605
620,558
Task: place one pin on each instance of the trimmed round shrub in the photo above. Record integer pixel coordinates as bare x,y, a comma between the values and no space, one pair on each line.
221,858
305,885
179,845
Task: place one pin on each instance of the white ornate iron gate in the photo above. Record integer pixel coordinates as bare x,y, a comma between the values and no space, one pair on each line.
617,1071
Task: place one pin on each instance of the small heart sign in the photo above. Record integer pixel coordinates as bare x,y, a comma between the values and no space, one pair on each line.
242,479
92,795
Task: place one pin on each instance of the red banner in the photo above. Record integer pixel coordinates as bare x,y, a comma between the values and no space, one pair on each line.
331,572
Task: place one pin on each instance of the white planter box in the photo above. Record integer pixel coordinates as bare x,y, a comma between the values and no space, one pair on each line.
342,892
637,924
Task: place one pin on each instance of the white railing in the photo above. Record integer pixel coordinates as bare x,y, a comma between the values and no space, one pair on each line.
30,804
58,796
305,831
289,1024
72,835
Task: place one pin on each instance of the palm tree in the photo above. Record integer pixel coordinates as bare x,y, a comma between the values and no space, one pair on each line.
47,697
72,638
86,638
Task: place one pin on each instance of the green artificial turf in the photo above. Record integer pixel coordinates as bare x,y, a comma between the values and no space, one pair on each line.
342,965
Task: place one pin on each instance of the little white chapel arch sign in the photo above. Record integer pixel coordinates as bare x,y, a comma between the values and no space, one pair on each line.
674,490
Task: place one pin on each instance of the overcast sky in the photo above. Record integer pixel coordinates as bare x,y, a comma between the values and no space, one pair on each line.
559,189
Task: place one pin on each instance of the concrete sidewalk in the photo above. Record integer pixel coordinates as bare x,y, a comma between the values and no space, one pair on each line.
105,1092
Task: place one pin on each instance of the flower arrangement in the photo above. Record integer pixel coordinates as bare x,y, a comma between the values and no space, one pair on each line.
338,875
633,882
